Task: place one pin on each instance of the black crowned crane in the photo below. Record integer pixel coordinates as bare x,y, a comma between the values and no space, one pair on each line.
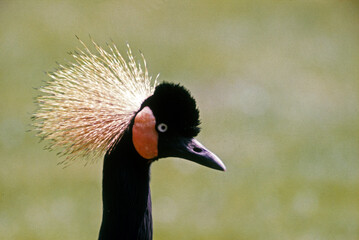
103,105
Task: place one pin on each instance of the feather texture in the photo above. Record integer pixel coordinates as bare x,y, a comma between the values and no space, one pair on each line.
87,104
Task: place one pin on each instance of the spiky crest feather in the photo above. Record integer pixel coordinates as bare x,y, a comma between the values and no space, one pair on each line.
87,105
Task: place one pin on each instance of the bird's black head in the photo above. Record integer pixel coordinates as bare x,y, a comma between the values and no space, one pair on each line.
166,125
173,106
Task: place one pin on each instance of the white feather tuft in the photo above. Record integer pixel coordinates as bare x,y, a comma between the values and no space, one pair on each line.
88,104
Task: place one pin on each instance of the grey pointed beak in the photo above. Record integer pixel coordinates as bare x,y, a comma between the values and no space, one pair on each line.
193,150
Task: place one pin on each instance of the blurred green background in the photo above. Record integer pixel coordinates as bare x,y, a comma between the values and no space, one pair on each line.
277,86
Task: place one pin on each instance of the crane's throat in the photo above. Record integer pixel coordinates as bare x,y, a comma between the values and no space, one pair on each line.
144,134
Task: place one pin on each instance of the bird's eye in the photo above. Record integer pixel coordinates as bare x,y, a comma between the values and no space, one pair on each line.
162,127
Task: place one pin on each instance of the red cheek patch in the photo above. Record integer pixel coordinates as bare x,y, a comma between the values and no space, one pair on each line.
144,134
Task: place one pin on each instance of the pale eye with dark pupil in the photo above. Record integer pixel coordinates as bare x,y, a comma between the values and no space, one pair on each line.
162,127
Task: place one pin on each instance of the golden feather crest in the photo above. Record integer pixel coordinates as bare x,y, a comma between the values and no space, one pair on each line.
87,104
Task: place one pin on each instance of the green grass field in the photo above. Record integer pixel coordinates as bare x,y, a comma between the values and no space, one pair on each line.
277,83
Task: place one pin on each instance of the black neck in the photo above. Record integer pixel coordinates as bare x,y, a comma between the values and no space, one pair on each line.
126,194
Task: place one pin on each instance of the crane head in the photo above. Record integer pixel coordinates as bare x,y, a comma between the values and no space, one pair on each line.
166,126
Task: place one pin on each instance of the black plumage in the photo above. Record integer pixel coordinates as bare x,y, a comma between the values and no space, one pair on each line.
174,105
126,175
127,212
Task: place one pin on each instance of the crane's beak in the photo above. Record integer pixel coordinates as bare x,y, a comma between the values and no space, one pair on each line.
190,149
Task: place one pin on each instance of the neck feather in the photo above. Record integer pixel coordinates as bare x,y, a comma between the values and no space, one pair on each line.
126,194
